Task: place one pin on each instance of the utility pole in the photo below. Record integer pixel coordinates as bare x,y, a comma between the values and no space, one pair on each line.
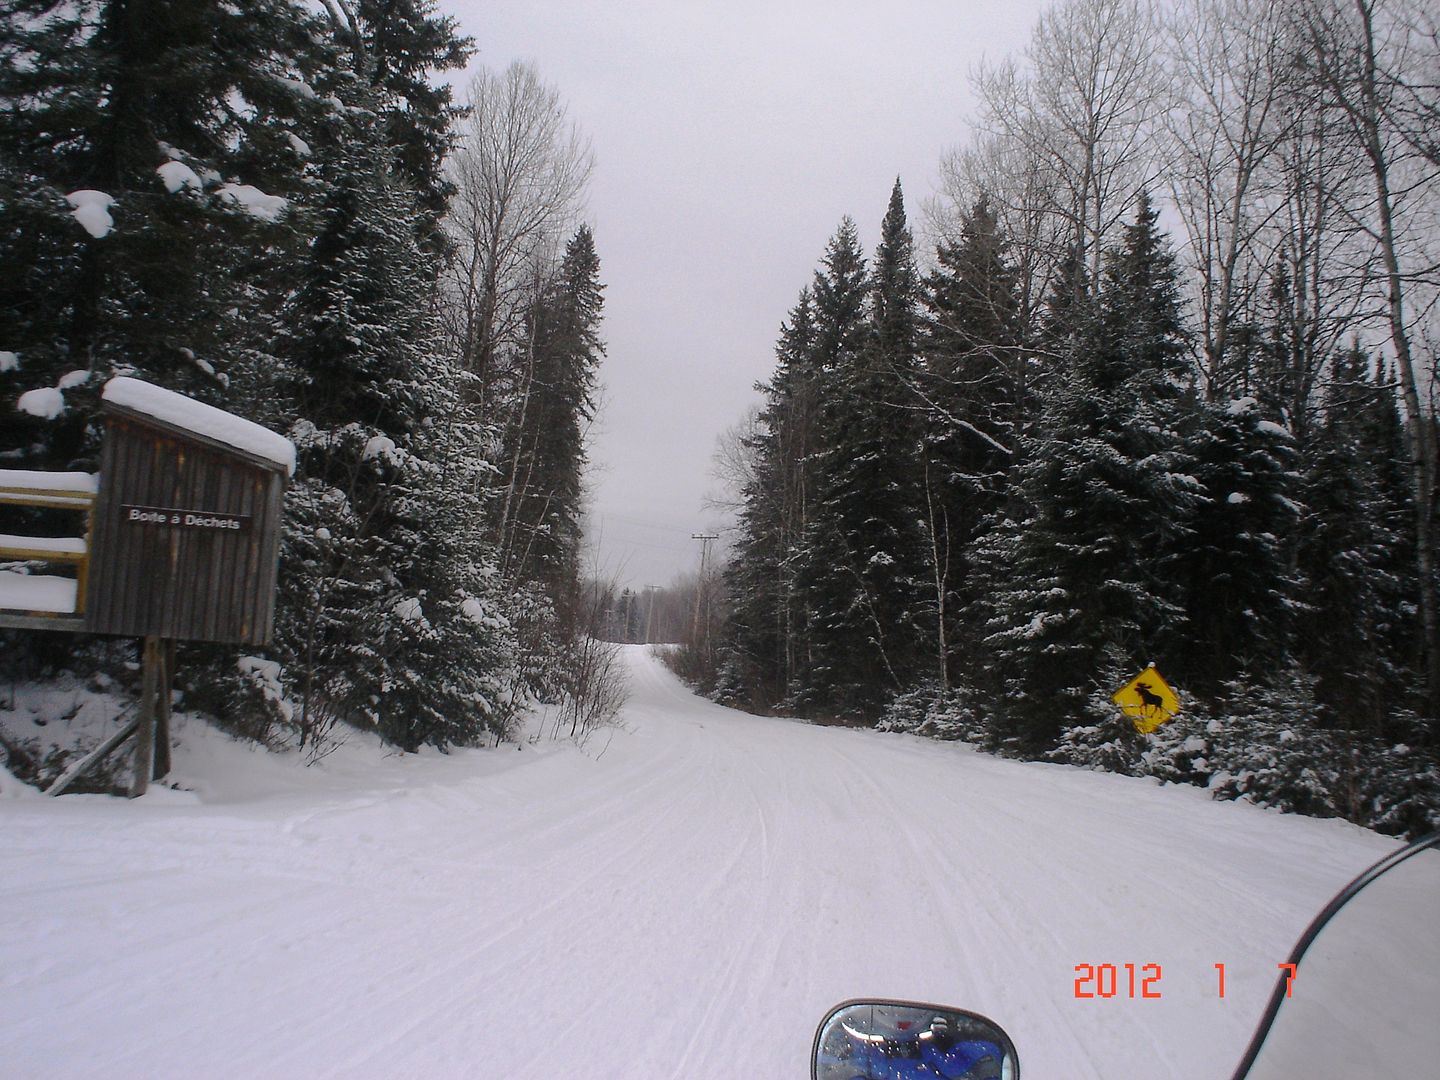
650,610
704,539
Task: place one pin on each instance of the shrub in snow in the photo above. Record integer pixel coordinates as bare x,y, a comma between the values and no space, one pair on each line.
1398,790
937,713
1108,742
1265,744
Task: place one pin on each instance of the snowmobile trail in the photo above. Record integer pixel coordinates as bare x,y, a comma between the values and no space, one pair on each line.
686,904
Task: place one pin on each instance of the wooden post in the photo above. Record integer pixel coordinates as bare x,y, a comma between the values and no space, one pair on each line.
162,709
70,775
145,736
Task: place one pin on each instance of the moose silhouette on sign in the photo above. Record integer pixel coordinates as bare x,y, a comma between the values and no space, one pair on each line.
1148,699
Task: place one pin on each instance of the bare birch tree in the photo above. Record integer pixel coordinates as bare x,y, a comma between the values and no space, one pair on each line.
1371,59
1229,64
520,170
1084,108
1023,195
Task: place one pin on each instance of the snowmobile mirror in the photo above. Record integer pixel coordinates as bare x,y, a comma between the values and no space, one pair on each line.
896,1040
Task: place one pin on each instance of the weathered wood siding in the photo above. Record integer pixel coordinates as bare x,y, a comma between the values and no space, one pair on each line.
183,583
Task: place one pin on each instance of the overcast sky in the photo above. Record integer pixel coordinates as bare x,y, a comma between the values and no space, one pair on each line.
730,139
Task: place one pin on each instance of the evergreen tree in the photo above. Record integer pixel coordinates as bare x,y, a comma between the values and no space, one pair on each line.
541,507
863,572
388,615
766,632
1357,628
1080,575
146,163
1234,576
406,46
976,394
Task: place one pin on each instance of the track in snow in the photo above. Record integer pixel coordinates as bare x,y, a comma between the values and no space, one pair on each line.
686,904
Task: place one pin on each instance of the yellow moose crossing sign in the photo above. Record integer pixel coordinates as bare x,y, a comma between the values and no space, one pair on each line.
1147,699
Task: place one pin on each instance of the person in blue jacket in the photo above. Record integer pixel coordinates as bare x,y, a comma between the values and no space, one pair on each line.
944,1055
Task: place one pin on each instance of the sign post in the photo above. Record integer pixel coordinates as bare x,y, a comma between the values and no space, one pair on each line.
183,544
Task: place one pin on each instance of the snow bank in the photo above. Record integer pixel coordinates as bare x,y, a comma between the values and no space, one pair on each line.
92,210
196,416
9,361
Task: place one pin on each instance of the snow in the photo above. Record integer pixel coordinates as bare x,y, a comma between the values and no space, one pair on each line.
1272,428
686,899
46,402
92,210
409,610
72,379
36,592
9,361
265,675
196,416
299,145
177,177
49,481
72,545
253,201
381,446
298,86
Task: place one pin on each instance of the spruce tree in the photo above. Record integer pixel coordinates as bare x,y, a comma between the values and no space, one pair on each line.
390,614
975,386
406,46
146,166
1234,577
766,631
542,502
1081,574
1357,625
864,576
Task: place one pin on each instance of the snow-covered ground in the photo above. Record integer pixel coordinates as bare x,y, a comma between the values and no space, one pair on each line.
685,899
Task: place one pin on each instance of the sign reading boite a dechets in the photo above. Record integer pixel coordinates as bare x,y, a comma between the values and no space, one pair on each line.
183,519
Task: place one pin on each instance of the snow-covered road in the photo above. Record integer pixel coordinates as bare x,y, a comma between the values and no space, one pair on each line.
684,901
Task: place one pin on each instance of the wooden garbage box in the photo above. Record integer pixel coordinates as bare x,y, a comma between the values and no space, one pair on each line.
185,536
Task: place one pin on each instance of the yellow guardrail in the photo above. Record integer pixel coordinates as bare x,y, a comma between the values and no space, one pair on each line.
57,491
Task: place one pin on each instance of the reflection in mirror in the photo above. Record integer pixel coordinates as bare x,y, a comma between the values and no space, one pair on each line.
900,1040
1366,995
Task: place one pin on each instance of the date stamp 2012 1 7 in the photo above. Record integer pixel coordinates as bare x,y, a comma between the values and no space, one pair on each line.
1141,982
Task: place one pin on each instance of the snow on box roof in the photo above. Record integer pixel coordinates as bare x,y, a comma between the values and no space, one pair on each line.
214,424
